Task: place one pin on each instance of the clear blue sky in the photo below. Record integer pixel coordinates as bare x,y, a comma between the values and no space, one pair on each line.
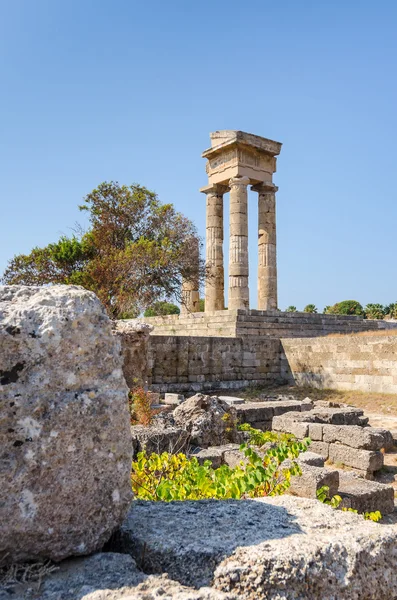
94,90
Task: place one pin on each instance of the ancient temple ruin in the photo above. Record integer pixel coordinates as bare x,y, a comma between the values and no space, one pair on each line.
236,160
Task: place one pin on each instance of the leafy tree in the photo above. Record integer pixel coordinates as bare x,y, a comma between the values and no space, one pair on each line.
162,308
327,310
347,307
291,309
201,305
137,251
374,311
391,310
310,308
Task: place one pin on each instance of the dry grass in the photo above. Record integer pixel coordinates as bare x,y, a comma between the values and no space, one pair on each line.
16,573
380,333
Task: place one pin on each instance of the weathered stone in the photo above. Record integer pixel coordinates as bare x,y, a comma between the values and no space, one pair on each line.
107,576
291,424
134,338
159,439
316,432
365,460
232,400
65,443
363,495
266,549
321,448
312,479
213,454
174,399
388,439
311,458
210,421
354,436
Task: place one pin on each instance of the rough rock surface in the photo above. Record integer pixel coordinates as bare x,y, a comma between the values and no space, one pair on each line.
208,419
134,338
65,442
159,439
106,576
281,548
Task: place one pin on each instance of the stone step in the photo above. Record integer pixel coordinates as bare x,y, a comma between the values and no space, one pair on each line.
363,495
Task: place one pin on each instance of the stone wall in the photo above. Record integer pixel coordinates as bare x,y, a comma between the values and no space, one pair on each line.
134,338
271,323
356,362
184,363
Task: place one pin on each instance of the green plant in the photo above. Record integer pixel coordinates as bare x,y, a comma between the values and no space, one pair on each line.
291,309
391,310
170,477
374,311
310,308
334,502
260,438
161,308
231,425
140,406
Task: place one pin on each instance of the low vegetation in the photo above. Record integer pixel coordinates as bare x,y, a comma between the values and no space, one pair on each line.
170,477
353,307
335,501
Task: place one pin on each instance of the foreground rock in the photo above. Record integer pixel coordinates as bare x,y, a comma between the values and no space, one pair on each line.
106,576
273,549
65,445
209,420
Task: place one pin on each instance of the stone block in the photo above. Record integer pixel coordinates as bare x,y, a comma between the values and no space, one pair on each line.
312,479
251,412
365,460
232,400
388,439
173,399
316,431
311,458
321,448
279,547
159,439
365,496
262,425
353,436
213,454
285,424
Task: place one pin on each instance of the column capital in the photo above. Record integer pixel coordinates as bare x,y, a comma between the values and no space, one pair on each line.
239,181
265,186
216,189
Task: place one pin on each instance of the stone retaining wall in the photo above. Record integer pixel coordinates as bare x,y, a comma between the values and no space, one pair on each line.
271,323
184,363
363,362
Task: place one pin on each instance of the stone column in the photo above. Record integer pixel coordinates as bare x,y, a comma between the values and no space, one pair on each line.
238,246
267,259
190,286
214,285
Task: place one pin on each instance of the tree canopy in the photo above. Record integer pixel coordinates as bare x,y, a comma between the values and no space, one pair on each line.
135,253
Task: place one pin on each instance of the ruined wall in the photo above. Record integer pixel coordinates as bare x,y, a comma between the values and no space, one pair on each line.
184,363
355,362
134,338
271,323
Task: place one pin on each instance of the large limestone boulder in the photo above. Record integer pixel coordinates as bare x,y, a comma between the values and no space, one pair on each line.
65,442
280,548
209,420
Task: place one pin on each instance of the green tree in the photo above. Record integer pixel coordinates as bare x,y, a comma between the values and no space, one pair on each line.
347,307
161,309
136,251
291,309
201,305
391,310
374,311
310,308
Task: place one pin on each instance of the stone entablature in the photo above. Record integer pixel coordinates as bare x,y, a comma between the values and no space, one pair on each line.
235,160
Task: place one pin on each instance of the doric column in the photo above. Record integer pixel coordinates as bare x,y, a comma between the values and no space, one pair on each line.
214,285
238,246
190,284
267,256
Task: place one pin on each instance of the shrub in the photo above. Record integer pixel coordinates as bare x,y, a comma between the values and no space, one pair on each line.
323,496
310,308
391,310
140,406
201,305
291,309
168,477
374,311
347,307
161,309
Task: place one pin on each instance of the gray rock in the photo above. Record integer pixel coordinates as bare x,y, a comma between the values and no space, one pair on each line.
232,400
311,458
363,495
134,338
65,444
107,576
209,420
156,438
173,399
354,436
312,479
365,460
275,548
388,439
